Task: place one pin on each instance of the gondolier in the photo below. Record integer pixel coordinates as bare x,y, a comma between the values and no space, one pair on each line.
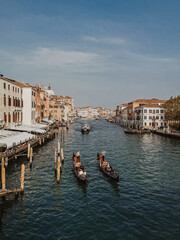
103,153
78,154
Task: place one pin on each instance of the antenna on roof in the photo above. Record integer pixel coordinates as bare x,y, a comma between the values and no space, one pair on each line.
1,75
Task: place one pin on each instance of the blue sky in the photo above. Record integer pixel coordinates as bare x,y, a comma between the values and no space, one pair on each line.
100,52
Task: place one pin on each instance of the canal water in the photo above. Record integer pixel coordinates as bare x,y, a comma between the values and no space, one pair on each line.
145,204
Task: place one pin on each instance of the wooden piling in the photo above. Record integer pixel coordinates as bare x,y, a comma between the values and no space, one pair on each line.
2,163
31,155
43,139
3,178
58,169
58,147
22,176
6,162
40,141
29,149
62,154
55,167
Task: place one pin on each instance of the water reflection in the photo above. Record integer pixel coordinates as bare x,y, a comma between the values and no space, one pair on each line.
7,203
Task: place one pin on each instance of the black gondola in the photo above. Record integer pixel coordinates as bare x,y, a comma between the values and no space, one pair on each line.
78,169
106,168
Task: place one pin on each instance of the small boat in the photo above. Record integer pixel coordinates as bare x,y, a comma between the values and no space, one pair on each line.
79,170
106,168
137,131
85,128
131,132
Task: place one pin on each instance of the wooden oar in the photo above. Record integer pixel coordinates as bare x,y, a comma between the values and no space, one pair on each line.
91,161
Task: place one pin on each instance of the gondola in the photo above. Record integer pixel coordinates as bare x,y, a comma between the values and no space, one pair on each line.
79,170
106,168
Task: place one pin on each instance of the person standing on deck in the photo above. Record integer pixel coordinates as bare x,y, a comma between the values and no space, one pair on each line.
78,154
103,153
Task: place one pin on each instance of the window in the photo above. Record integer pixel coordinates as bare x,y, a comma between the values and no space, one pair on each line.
21,103
145,123
157,117
5,118
162,118
18,90
149,124
9,101
4,85
150,117
9,117
4,99
162,111
8,86
145,110
153,111
150,111
161,123
21,91
13,89
145,117
157,111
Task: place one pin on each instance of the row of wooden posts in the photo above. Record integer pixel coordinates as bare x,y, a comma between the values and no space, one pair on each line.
29,154
58,165
4,191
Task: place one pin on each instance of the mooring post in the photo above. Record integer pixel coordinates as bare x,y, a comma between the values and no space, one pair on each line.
3,178
62,154
22,176
6,162
29,148
55,160
58,169
2,163
58,147
31,155
59,164
43,139
40,141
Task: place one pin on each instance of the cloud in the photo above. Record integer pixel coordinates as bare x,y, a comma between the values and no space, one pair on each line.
55,57
107,40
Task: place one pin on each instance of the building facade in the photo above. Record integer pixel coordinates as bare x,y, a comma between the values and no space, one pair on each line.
11,102
150,116
135,113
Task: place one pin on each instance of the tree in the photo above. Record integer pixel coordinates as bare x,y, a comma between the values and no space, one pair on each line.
172,107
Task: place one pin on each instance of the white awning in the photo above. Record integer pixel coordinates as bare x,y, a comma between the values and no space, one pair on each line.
11,138
24,128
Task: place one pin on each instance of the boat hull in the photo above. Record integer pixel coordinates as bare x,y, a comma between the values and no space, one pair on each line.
82,178
85,131
113,175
